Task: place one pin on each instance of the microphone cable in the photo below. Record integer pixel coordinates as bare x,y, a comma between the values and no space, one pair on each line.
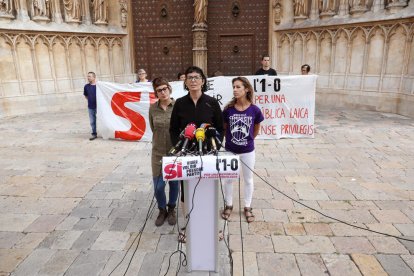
187,216
313,209
148,215
241,229
225,221
325,215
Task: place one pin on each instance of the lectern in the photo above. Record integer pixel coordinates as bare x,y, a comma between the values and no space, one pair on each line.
201,176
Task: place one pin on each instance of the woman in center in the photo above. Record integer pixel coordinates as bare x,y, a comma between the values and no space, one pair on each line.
242,124
195,107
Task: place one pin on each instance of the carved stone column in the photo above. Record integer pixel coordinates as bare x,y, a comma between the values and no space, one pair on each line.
343,8
314,14
55,12
200,46
21,10
378,5
200,34
86,14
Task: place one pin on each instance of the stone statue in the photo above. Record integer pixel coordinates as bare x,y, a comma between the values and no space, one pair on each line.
72,10
200,11
358,3
100,11
39,9
6,7
124,12
277,6
300,8
327,5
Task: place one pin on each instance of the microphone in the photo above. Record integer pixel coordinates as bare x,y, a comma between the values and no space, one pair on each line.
175,149
200,136
212,134
189,132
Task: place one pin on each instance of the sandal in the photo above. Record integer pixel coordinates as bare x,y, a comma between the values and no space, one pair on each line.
226,212
248,214
181,237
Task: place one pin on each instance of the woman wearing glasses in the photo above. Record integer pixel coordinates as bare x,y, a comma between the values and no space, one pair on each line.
142,76
159,118
195,107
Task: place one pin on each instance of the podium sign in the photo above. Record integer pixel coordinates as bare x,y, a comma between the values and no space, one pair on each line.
189,167
202,229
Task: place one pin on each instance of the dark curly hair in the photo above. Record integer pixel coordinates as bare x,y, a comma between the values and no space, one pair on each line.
195,69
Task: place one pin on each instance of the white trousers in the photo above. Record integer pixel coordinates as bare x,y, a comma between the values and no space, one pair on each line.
249,159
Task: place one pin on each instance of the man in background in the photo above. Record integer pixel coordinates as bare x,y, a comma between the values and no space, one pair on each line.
89,91
305,69
266,69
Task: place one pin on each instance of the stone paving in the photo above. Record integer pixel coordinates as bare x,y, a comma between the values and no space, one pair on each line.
70,206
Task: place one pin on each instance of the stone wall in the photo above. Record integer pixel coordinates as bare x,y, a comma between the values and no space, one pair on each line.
47,48
363,51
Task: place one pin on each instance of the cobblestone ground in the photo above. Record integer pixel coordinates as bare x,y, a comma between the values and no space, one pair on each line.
71,206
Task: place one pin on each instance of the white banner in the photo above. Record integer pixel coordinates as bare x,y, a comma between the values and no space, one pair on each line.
287,103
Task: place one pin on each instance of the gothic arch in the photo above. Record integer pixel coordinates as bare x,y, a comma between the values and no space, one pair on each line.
339,33
376,45
396,47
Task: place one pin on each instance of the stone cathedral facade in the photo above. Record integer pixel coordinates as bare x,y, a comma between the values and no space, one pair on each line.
48,46
362,50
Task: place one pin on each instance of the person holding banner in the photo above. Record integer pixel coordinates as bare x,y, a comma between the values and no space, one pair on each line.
159,118
242,124
266,69
89,91
142,76
305,69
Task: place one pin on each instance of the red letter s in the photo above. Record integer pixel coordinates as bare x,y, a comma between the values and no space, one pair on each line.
137,121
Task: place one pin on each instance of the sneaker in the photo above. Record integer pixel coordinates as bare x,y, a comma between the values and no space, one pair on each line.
93,137
171,217
162,215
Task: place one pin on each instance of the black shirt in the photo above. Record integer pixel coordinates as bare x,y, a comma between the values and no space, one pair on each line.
270,72
185,111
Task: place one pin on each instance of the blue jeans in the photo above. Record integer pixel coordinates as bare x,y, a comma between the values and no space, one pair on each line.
92,120
159,190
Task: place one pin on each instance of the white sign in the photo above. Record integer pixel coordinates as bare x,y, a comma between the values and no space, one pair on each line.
208,166
287,104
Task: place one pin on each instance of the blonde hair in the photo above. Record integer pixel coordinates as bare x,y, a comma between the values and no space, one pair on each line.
249,94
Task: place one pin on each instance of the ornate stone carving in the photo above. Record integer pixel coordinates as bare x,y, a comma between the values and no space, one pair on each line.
277,11
327,5
100,12
124,12
396,5
200,11
6,9
358,7
343,8
73,10
40,10
300,10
